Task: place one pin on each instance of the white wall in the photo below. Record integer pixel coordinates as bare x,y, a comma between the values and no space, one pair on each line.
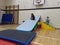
2,3
54,14
24,4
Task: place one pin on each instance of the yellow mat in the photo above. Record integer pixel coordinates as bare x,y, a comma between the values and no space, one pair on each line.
46,26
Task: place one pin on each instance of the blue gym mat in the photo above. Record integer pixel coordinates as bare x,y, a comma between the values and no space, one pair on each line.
20,37
6,19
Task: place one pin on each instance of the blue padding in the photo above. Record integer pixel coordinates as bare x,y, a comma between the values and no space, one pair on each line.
19,41
6,18
28,25
15,35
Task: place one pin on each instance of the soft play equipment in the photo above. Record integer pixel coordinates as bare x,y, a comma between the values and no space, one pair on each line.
17,36
46,26
5,42
29,25
6,18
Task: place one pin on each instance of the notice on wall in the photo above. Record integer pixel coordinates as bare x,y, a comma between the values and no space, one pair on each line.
38,2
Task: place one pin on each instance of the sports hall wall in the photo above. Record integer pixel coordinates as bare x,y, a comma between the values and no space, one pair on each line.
2,2
54,14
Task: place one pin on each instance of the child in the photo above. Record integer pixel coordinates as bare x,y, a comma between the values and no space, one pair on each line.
32,16
47,20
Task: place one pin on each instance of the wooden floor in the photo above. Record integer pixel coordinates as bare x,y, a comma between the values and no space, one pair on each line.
12,26
43,37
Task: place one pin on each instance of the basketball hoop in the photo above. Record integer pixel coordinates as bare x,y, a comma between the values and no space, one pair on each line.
38,1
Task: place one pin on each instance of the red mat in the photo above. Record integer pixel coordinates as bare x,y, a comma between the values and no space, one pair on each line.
38,28
4,42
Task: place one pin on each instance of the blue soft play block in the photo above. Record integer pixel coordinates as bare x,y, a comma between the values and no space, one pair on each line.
20,37
28,25
6,18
